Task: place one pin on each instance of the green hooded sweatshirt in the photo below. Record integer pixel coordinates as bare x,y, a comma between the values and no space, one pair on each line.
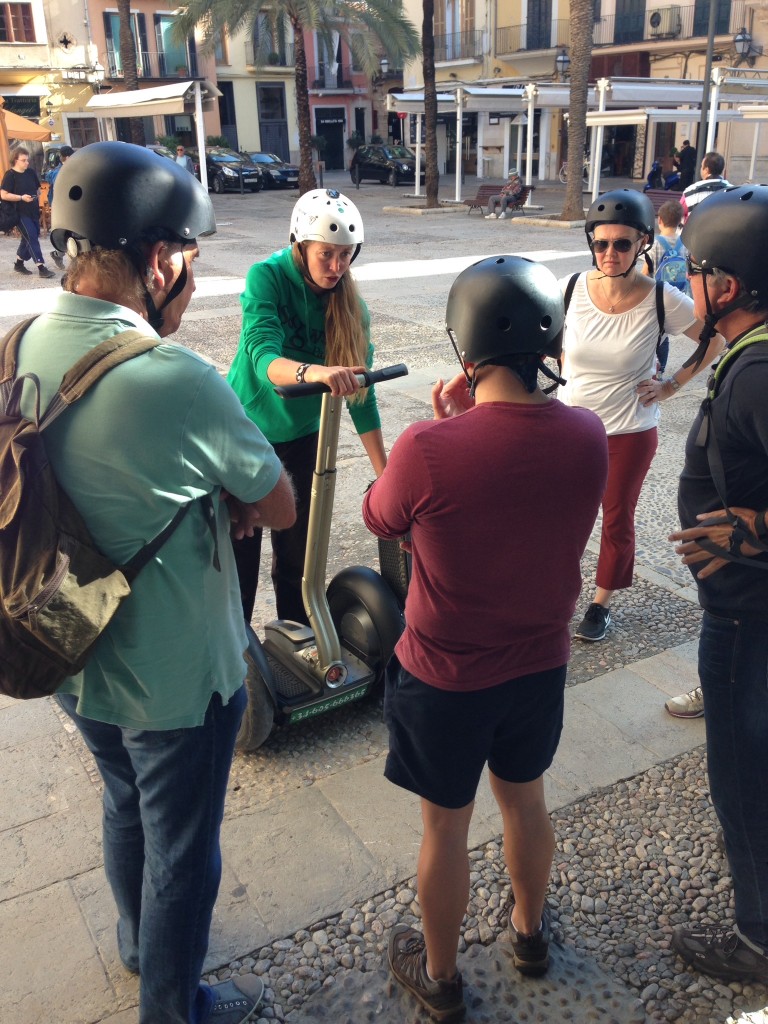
282,316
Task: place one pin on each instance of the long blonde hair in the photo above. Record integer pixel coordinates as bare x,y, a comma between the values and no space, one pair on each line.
346,342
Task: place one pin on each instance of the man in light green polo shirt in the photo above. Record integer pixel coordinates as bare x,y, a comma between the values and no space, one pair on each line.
160,701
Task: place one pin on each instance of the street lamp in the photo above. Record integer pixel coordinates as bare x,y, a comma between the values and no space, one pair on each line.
562,64
384,65
744,48
49,107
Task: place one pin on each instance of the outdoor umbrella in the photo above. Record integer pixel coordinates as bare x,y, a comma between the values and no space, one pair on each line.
13,126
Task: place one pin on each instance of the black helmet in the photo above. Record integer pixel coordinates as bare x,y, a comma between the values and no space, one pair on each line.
728,231
114,194
505,306
622,206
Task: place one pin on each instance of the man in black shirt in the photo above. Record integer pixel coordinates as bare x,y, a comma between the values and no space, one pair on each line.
21,185
686,162
723,504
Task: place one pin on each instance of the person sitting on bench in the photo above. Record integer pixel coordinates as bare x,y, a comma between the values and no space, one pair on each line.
508,194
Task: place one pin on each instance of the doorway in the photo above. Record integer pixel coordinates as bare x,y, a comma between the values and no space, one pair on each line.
330,122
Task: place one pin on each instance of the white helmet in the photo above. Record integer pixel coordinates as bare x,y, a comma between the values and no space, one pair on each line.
325,215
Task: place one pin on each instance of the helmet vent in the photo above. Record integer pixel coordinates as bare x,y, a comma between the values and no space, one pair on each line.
546,323
76,193
746,195
334,227
500,259
504,323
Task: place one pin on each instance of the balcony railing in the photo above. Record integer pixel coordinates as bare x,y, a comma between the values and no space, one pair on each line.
281,58
676,21
331,76
459,46
154,64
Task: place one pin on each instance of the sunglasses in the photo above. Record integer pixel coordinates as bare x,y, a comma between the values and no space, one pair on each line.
619,244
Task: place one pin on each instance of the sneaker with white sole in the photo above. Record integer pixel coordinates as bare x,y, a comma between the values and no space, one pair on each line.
593,626
490,216
443,1000
687,705
236,1001
719,952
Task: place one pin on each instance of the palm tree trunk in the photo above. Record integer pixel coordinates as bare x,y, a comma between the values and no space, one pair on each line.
307,180
432,175
581,56
128,63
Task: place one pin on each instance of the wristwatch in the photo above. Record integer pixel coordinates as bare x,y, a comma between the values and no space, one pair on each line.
301,371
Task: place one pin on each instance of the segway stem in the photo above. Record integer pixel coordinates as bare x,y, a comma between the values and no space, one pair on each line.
330,667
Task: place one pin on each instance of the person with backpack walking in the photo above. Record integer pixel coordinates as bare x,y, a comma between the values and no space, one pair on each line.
723,539
21,185
160,699
478,675
667,263
616,317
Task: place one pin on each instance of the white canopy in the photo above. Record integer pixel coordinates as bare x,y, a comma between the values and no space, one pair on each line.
190,97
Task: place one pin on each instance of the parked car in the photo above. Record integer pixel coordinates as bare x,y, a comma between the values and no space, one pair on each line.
392,164
224,167
158,147
275,172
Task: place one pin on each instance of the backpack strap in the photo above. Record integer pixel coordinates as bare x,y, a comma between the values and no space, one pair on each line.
92,367
9,347
660,314
568,293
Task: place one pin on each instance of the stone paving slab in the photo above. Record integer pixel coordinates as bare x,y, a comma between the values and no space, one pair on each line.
574,990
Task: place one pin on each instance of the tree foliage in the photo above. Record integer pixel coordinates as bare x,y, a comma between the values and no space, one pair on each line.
369,27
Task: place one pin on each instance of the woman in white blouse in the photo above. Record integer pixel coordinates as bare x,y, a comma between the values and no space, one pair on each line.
609,362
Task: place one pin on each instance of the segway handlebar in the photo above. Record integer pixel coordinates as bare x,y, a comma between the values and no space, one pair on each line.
367,378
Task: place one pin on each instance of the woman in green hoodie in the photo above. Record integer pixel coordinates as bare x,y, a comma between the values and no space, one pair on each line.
303,320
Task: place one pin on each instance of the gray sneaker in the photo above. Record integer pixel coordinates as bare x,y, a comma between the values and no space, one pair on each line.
687,705
531,952
443,1000
237,1000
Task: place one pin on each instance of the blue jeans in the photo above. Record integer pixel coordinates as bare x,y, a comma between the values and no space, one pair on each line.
29,246
733,669
163,806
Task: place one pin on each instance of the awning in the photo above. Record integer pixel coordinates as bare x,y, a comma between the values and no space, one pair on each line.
25,90
175,98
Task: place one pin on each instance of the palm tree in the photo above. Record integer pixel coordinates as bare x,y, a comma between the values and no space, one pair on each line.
128,65
432,177
367,26
582,16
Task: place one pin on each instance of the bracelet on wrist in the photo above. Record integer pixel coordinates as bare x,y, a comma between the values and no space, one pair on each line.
301,371
674,383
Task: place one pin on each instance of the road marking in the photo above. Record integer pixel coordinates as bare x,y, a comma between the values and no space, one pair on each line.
18,302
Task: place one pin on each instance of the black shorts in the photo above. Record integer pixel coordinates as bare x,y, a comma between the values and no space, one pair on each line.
440,740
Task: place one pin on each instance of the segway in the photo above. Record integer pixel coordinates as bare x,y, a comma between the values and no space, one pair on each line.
301,671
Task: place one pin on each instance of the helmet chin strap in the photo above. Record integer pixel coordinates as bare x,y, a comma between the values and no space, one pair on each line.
154,312
708,331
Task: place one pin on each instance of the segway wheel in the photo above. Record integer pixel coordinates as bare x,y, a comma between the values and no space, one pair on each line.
259,715
366,615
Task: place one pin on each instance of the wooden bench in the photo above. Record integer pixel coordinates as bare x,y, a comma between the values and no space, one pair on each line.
659,196
486,192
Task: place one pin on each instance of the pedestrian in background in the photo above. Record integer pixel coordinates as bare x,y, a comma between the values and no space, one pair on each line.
711,181
64,154
686,163
478,676
21,185
183,160
509,192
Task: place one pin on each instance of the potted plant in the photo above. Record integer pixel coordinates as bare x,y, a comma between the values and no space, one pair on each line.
181,70
355,141
376,140
273,58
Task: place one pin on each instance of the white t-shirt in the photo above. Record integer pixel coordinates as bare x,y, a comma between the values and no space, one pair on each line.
606,355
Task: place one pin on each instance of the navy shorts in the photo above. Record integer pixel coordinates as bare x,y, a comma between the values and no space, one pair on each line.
440,740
